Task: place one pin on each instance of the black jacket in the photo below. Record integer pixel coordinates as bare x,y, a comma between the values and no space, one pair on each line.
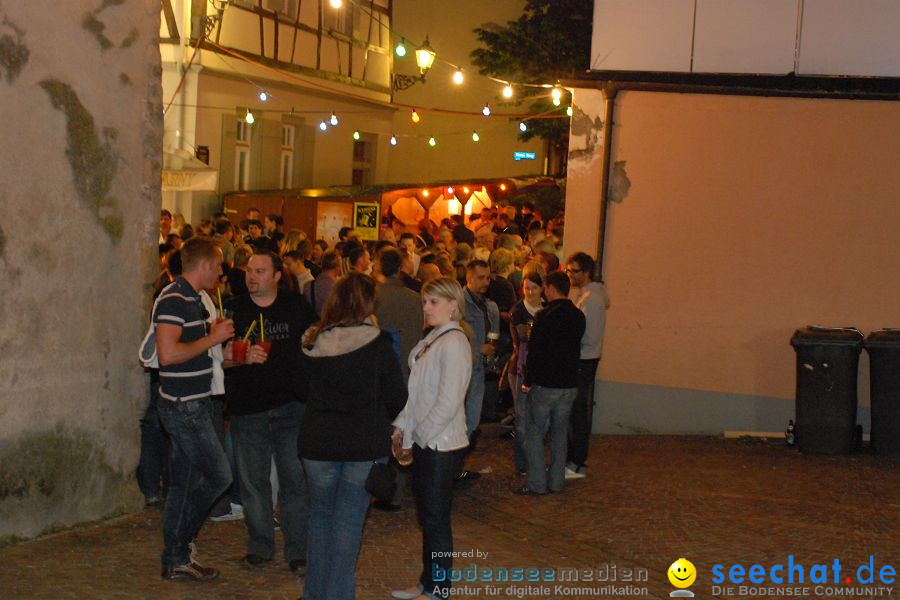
352,398
555,346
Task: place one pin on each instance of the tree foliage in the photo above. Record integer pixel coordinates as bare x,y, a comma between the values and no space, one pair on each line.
549,42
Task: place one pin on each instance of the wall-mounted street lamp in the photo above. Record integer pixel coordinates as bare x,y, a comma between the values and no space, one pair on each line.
425,56
424,59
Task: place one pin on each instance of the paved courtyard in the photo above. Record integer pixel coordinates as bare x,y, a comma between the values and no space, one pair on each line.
647,501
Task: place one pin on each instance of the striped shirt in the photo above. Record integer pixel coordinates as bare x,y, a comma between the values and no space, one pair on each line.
180,305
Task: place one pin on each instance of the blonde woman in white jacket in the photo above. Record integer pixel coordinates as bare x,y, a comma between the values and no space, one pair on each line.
433,424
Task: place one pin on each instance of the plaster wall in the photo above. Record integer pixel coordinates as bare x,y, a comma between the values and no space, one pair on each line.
79,195
738,220
584,173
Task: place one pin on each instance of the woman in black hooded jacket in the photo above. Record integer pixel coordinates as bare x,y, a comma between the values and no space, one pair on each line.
354,390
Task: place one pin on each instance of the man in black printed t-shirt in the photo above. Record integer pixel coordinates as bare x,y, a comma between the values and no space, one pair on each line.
198,468
266,410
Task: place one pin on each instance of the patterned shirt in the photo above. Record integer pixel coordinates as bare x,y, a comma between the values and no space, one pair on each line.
180,305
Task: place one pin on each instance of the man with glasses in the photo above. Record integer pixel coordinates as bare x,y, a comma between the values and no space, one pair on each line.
591,298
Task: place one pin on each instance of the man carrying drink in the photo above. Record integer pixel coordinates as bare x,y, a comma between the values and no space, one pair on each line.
199,470
266,408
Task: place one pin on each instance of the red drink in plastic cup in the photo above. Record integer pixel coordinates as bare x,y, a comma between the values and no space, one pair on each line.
239,351
266,346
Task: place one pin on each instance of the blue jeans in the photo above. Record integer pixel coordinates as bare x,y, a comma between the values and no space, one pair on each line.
553,405
257,438
154,450
475,397
520,399
338,505
198,474
433,473
519,405
223,504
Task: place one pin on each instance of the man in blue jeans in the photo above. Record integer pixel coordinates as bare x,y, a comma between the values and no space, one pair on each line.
551,382
198,469
266,412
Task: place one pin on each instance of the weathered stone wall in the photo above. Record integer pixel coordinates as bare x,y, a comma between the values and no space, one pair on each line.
80,161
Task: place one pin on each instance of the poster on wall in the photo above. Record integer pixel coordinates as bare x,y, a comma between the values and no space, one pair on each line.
330,217
366,219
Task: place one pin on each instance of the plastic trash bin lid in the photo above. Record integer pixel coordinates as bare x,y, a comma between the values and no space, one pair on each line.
886,338
816,335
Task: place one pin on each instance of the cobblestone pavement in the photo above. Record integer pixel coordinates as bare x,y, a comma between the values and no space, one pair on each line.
646,502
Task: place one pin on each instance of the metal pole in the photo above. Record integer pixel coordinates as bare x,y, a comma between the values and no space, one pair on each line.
609,94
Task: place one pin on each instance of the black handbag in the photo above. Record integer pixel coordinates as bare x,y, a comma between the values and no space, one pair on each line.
382,481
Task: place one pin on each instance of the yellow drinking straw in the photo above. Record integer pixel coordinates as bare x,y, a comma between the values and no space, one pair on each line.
221,310
262,329
250,330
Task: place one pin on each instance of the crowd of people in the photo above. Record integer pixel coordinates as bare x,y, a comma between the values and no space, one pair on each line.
287,368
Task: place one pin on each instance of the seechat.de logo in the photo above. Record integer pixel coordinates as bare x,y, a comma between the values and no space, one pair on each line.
682,575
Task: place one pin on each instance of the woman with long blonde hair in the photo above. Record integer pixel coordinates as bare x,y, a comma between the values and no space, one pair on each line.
433,425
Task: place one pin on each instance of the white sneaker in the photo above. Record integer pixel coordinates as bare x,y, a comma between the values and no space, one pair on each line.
235,514
405,595
570,474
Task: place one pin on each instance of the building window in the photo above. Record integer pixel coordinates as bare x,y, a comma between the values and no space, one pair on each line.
287,8
287,136
339,20
242,156
362,161
287,156
243,132
242,168
361,151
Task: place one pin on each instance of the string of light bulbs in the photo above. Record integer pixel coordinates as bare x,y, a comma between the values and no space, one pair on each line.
369,100
333,120
432,139
395,138
457,77
265,96
507,91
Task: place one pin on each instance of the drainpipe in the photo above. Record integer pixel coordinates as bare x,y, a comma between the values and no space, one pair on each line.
609,94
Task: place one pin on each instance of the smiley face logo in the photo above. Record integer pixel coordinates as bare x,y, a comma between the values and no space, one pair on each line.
682,573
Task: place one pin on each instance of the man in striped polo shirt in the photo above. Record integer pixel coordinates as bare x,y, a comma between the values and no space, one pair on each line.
199,469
